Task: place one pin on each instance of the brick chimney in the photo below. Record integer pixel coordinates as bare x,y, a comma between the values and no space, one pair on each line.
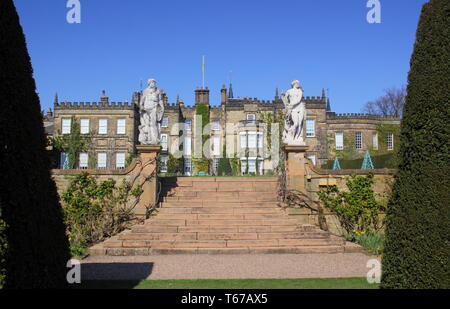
223,95
202,96
104,99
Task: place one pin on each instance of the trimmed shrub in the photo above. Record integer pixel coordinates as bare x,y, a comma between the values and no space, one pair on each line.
224,168
174,165
37,246
417,249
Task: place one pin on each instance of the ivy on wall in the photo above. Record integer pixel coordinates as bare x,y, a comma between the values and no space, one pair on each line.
382,157
74,143
202,164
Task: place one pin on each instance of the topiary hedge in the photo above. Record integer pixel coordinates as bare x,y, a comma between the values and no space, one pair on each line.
37,246
417,249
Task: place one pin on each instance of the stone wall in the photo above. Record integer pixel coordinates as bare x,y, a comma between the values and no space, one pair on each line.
137,172
318,178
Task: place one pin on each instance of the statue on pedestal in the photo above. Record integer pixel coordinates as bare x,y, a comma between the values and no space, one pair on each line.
151,110
295,115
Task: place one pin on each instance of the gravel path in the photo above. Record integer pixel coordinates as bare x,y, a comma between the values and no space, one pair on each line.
255,266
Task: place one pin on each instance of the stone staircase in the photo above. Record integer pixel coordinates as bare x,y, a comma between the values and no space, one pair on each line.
223,215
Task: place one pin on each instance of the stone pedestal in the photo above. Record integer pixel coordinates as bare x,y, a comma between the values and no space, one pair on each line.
148,171
295,167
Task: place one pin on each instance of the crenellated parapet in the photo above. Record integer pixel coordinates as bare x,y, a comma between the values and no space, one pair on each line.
94,105
345,116
314,102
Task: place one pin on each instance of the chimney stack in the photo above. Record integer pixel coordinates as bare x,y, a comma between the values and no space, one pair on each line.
202,96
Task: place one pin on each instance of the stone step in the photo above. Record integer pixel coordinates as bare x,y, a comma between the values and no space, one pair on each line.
185,204
221,236
269,198
222,243
147,228
207,222
278,216
217,210
221,251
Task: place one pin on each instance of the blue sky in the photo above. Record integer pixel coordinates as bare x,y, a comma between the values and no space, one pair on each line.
266,44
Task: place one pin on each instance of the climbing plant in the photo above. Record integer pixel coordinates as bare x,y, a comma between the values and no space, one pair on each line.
357,209
95,210
73,143
201,165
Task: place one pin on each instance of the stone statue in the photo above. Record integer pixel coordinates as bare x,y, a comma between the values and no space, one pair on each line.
151,110
295,115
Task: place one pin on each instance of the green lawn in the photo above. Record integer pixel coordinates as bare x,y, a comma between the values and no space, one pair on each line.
333,283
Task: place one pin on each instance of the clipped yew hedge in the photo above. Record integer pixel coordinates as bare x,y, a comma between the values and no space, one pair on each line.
37,246
417,249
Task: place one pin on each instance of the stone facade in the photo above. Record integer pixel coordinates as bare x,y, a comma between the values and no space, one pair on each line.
326,131
118,120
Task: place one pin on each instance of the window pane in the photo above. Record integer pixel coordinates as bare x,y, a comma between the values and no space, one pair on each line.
101,160
165,122
375,141
187,166
188,125
216,146
390,141
102,126
358,140
121,126
187,146
120,160
66,125
252,140
310,130
251,117
84,160
164,138
252,166
63,164
260,140
243,140
243,165
84,126
339,137
163,164
216,125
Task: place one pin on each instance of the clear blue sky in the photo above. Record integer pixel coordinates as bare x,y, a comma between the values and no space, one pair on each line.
265,43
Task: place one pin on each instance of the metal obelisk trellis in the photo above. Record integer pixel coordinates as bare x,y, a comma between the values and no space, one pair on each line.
367,162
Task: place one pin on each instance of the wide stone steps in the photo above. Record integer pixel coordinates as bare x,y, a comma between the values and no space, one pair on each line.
219,210
216,229
225,215
222,236
219,204
211,222
228,243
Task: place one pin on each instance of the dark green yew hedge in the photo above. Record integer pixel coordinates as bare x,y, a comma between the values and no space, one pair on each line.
37,246
417,249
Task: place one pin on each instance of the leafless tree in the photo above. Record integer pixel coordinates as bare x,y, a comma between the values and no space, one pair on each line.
390,104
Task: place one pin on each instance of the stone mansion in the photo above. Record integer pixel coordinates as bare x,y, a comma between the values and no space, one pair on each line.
114,126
